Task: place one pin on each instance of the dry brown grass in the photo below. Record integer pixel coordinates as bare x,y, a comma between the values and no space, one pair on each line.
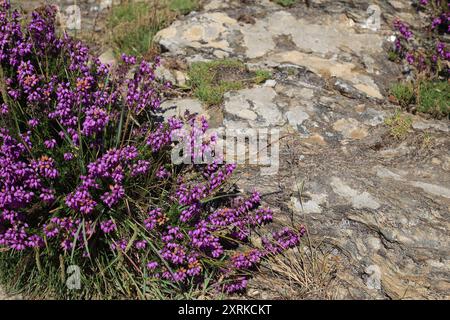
306,272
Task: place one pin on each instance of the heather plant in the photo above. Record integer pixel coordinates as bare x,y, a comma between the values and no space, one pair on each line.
86,179
427,54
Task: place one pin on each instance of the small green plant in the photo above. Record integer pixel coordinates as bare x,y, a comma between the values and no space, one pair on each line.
427,140
183,6
430,96
262,75
434,97
403,93
210,80
393,56
399,125
286,3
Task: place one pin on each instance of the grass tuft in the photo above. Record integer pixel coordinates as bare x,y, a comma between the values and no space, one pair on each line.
392,55
183,6
399,125
434,97
210,80
286,3
302,273
262,75
134,24
403,93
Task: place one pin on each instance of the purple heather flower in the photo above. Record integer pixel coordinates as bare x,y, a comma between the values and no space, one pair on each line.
4,108
81,200
128,59
67,244
95,121
203,238
108,226
47,195
46,167
152,265
436,22
140,168
68,156
50,144
263,216
33,123
403,29
410,58
190,212
174,253
111,198
236,285
246,260
50,230
155,218
34,241
120,245
85,103
140,245
162,173
282,240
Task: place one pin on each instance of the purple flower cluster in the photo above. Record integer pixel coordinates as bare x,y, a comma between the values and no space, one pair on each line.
162,135
235,285
89,158
283,240
428,54
141,94
112,167
403,29
439,14
246,260
67,230
155,219
22,183
108,226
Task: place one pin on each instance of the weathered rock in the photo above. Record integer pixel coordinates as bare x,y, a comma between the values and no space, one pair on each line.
350,128
330,68
358,199
208,30
164,74
421,124
179,107
108,57
255,105
296,117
